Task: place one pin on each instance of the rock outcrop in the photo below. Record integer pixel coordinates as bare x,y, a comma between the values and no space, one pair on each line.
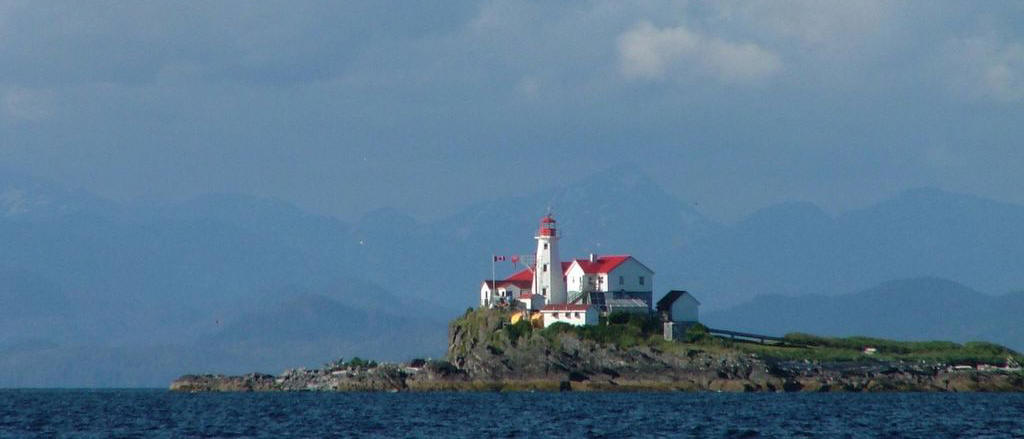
485,353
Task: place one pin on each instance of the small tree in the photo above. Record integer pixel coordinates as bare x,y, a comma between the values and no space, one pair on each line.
696,332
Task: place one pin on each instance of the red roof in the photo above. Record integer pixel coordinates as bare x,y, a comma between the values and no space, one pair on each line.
522,284
527,295
566,307
522,275
602,264
522,279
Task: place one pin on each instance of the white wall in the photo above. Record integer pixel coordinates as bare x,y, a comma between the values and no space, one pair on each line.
630,271
509,290
549,282
574,283
576,318
685,309
534,303
485,295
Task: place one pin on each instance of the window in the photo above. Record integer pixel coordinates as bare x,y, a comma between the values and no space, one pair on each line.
622,280
641,280
555,315
545,268
544,291
545,246
577,315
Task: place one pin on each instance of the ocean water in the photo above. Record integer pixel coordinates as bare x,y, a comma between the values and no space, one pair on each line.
162,414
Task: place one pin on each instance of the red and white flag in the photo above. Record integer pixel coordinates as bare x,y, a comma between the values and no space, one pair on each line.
499,259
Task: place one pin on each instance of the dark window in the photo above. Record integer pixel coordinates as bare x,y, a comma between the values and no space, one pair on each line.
545,268
545,246
641,280
622,280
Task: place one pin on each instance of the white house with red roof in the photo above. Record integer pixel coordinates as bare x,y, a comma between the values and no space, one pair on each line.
601,279
606,282
507,291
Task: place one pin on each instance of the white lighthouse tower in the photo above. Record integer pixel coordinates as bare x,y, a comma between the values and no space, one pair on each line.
547,279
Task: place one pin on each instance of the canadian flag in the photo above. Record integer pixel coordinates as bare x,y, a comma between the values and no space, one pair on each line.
499,259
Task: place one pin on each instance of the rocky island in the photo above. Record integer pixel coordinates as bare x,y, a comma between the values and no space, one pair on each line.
488,353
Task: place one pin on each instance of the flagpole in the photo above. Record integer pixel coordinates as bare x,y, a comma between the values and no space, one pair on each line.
494,281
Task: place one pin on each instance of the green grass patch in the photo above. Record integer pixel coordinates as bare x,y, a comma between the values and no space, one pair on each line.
812,347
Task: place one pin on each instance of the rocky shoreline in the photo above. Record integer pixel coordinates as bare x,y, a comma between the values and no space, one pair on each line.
728,375
483,355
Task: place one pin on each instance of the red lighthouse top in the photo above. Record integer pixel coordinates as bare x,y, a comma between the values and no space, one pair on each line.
547,226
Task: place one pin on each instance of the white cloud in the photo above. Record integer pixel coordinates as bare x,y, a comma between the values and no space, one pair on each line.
985,67
649,52
28,104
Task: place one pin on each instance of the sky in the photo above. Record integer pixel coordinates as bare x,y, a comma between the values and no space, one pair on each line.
345,107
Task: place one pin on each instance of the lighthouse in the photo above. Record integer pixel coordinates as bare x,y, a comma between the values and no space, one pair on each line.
548,280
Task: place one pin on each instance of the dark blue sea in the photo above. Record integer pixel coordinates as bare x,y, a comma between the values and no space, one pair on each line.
162,414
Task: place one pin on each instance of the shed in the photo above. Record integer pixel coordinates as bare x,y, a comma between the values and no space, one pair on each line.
679,306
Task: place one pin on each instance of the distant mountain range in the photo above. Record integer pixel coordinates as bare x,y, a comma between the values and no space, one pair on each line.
203,284
795,248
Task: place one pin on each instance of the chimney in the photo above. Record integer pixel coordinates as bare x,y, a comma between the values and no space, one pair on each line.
592,258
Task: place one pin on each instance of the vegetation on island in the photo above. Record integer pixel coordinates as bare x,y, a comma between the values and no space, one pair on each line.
628,352
625,330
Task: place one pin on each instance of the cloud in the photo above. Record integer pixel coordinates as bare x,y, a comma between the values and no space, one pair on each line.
28,104
988,68
649,52
826,27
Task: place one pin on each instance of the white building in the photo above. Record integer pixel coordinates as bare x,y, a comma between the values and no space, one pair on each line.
505,292
679,310
531,302
679,307
594,280
597,278
573,314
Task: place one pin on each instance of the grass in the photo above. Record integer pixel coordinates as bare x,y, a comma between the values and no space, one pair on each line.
811,347
626,331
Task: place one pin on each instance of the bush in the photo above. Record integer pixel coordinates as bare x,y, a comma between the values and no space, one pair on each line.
442,367
355,363
696,332
619,318
520,329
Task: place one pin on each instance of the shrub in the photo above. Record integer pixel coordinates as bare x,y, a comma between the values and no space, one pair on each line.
695,333
520,329
442,367
619,318
357,362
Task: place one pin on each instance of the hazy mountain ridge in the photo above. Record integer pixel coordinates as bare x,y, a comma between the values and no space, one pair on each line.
795,249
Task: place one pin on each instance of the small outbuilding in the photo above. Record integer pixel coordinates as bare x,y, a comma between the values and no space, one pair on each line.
531,302
679,306
571,313
678,310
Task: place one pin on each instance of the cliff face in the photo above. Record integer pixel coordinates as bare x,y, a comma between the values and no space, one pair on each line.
481,345
486,353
